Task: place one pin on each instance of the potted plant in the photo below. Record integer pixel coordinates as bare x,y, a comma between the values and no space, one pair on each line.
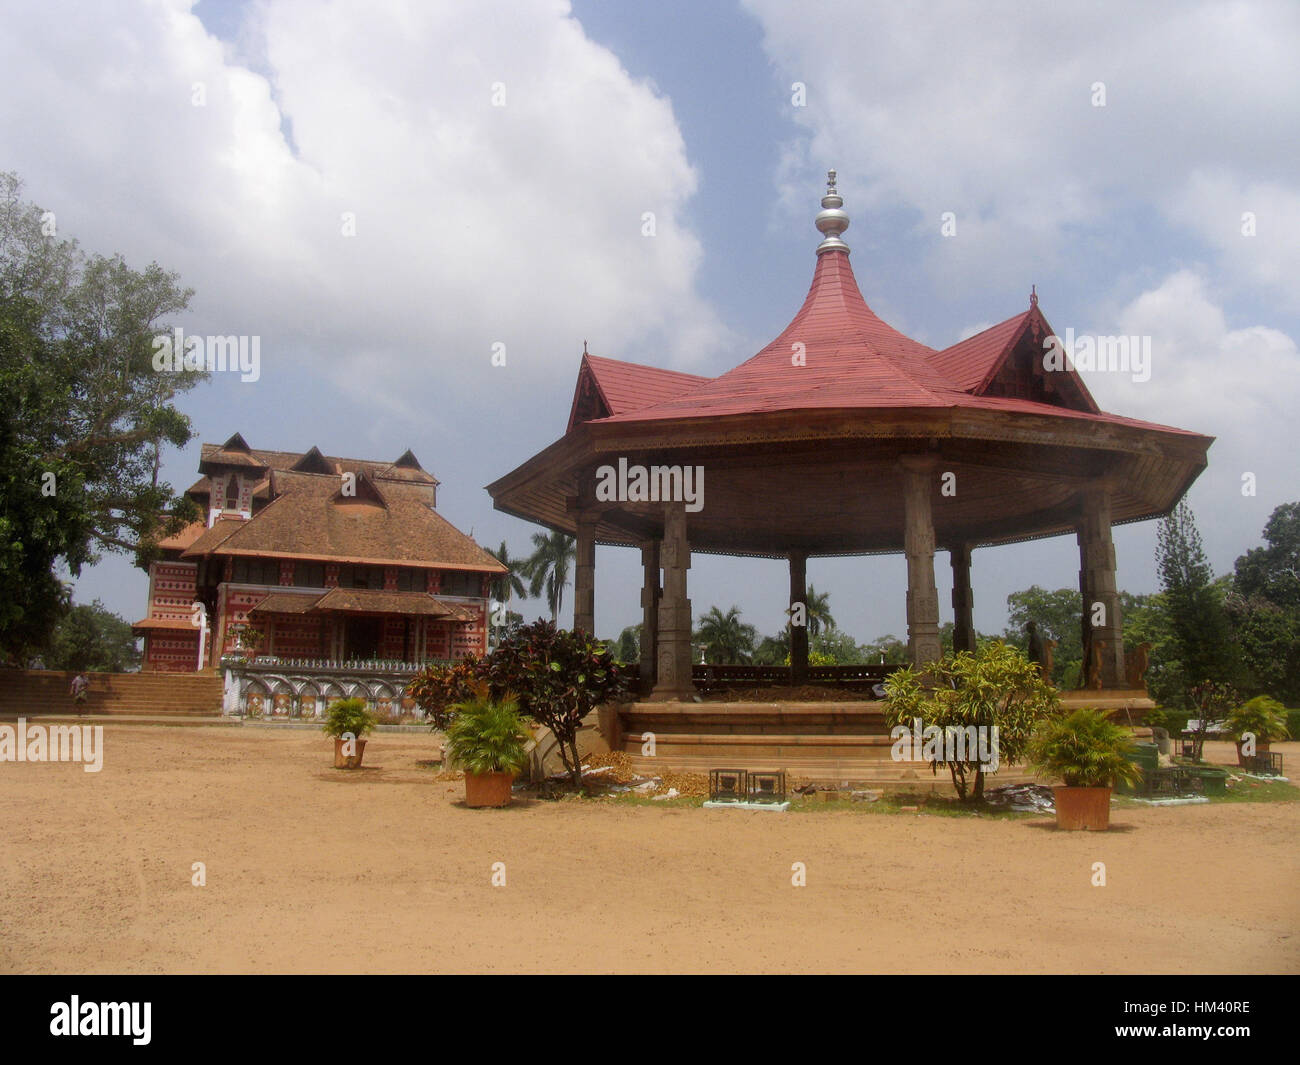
487,739
348,718
1262,718
1090,754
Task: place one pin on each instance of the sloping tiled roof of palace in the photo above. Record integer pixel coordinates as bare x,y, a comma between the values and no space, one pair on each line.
388,520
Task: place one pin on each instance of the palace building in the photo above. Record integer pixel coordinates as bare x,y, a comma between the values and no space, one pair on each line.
313,559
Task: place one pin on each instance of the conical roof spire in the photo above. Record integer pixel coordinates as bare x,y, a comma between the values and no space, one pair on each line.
832,221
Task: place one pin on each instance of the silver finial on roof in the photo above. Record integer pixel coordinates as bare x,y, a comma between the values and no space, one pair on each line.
831,220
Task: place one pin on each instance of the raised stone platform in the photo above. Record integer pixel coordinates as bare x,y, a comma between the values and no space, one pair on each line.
826,742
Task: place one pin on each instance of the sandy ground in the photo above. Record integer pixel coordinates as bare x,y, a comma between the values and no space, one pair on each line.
310,869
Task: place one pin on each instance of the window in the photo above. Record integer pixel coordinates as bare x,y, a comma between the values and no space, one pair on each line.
232,493
410,580
255,571
309,574
365,577
460,583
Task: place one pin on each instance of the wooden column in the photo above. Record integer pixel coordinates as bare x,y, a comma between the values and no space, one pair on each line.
584,575
650,596
1103,627
799,633
963,599
673,678
918,542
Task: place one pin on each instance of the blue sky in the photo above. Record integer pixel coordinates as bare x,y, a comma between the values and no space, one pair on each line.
521,224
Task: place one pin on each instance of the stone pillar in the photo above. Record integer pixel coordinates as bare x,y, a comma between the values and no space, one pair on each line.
963,599
650,596
918,543
584,575
673,678
799,633
1103,627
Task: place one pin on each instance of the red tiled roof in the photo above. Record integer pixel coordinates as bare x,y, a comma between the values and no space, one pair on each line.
174,624
628,386
853,360
185,538
969,362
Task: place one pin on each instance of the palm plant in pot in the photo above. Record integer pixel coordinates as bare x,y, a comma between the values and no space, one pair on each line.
487,739
1255,724
348,721
1090,754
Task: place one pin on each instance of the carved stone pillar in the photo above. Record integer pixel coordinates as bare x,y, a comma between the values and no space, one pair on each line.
650,596
918,543
799,633
963,599
584,575
1103,627
673,679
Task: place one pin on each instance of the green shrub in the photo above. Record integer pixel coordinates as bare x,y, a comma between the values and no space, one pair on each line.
1085,749
559,677
487,735
348,715
438,688
1263,716
996,686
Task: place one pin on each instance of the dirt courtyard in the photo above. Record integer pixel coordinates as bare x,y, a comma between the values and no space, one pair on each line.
309,869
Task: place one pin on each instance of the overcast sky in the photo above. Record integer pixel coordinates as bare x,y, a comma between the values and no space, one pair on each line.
228,141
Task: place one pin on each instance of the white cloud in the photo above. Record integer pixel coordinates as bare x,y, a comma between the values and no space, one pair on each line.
474,223
986,110
1240,385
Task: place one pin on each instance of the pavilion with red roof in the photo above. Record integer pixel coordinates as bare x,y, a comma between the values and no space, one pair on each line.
845,437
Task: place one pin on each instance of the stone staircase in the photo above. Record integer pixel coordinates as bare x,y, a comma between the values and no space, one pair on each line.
178,697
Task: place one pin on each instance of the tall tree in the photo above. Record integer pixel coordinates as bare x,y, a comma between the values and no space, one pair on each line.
92,637
819,611
1199,633
83,413
547,568
506,586
1264,607
727,640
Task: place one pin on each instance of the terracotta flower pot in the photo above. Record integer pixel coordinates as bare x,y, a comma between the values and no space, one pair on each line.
1082,808
1261,747
342,761
488,789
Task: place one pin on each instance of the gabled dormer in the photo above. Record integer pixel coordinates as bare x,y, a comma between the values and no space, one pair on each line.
1009,361
589,401
358,490
313,461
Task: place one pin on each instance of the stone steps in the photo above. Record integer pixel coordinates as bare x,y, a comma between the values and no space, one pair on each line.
32,693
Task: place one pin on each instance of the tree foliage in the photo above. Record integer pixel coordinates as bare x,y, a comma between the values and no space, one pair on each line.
1199,641
726,639
92,637
996,686
1264,608
559,677
83,414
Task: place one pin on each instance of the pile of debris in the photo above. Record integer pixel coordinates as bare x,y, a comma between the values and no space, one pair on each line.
1024,798
613,770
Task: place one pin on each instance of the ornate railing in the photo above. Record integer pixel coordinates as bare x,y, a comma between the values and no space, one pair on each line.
276,688
707,677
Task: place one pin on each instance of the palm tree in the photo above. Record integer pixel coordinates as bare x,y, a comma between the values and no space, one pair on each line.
819,611
547,569
506,586
726,639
